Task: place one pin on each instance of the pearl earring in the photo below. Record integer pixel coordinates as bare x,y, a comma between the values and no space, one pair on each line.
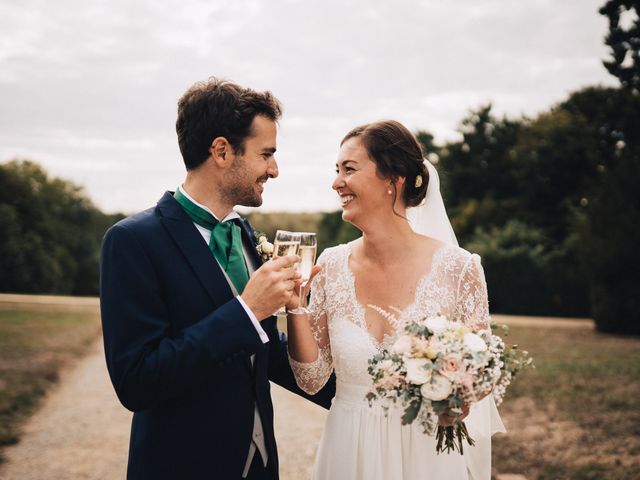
389,192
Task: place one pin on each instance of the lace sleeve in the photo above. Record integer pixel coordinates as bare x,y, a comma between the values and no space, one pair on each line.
472,303
311,377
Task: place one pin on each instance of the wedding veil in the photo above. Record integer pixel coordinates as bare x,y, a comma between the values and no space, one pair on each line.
430,219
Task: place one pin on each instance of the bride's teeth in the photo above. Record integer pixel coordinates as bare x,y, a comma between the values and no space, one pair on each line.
346,199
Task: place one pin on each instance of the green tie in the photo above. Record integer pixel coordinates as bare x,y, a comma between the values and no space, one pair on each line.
225,243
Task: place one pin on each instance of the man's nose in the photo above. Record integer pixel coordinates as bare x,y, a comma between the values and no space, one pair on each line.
272,170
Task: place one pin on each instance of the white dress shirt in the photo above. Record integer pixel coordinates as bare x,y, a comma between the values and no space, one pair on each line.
206,235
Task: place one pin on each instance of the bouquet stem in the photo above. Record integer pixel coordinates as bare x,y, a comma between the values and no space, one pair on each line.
452,437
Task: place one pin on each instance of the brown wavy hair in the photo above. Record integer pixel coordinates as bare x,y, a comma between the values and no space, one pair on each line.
219,108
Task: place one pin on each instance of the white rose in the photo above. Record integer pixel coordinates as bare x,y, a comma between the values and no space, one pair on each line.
403,345
262,239
436,324
437,389
266,247
474,343
386,365
416,373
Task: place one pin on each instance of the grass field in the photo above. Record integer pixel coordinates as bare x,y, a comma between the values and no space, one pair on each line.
577,415
34,346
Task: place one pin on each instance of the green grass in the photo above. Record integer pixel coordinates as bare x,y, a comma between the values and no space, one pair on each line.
34,346
577,415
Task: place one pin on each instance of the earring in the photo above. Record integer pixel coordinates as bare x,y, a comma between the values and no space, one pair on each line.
389,192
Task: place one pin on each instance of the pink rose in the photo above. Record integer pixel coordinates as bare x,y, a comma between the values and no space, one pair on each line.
451,363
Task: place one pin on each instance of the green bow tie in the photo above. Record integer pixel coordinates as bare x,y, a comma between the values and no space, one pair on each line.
225,243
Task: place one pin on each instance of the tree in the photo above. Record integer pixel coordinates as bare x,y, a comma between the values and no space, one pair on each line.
554,162
427,141
476,171
332,230
528,274
623,42
609,239
607,223
50,233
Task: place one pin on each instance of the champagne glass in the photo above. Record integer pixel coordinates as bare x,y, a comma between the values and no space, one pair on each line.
285,243
307,253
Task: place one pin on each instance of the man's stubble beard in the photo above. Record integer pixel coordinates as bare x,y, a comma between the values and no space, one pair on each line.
239,187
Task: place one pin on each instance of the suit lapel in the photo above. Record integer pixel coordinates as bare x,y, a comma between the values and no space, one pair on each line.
248,240
199,257
195,250
254,258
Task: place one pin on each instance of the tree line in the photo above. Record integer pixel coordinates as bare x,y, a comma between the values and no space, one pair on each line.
50,233
551,202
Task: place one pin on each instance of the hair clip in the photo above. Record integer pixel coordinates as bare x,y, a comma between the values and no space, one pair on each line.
418,183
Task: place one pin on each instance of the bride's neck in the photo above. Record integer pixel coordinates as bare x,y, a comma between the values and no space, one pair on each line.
387,243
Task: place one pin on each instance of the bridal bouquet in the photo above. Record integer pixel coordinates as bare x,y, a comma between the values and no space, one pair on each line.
438,366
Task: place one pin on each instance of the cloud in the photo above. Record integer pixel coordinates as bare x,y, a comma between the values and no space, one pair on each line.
90,89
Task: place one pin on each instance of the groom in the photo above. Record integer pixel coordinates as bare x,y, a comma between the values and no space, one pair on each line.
187,304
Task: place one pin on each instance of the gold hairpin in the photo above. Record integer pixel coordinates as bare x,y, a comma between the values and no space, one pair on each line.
418,183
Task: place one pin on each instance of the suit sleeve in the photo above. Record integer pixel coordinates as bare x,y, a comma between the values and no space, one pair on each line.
147,363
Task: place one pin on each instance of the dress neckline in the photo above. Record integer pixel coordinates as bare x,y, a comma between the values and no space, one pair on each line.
399,313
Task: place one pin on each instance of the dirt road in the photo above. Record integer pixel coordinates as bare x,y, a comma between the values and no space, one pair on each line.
82,432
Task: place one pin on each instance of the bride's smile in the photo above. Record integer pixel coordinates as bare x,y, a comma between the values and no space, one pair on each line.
346,199
360,187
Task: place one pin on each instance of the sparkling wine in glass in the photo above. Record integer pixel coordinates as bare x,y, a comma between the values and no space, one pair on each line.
307,253
285,243
285,248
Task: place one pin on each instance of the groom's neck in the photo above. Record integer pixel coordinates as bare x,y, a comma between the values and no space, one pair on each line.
204,191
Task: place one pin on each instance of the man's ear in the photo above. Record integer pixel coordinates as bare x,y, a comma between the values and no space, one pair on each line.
221,152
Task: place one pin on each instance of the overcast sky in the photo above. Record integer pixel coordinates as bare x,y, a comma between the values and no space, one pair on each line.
89,88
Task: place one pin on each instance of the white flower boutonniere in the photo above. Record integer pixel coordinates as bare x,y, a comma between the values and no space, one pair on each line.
263,246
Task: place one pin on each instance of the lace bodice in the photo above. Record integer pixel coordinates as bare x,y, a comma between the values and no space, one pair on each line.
454,286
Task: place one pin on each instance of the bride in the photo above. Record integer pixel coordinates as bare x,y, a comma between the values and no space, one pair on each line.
407,262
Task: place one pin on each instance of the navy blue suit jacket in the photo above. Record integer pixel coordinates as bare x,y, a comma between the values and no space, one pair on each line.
178,347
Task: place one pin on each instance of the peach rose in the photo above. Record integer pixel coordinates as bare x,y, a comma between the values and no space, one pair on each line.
451,363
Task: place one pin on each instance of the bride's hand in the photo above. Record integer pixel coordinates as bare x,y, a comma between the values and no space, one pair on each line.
445,420
294,300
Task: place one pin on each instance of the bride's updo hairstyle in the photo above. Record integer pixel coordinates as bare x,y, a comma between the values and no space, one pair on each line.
396,153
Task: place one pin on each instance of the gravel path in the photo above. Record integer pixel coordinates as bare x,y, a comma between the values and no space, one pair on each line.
81,432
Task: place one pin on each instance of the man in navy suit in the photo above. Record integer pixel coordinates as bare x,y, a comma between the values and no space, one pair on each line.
187,304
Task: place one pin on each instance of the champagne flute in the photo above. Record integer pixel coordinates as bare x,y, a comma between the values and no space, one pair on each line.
285,243
307,253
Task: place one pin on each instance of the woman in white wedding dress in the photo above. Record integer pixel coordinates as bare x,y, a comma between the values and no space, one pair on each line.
412,269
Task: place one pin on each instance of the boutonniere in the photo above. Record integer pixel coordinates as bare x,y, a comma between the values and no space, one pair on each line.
263,246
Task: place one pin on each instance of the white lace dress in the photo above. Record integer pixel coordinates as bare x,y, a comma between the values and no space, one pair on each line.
359,441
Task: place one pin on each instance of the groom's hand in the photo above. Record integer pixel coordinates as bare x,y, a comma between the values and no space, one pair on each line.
271,286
